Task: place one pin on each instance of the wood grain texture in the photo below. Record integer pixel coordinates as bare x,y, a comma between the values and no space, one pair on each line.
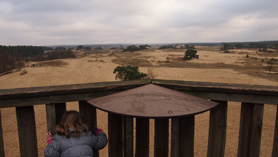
275,143
128,136
250,130
115,135
217,130
27,131
50,117
2,151
64,93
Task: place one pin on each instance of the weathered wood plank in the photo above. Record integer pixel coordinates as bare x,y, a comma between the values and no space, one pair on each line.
2,152
250,129
128,136
175,137
217,130
225,92
27,131
90,116
115,135
50,117
186,130
275,143
161,138
219,87
60,108
142,137
65,93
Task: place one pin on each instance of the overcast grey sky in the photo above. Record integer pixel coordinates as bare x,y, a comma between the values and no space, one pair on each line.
52,22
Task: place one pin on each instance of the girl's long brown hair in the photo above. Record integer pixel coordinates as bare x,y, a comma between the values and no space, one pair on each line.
71,119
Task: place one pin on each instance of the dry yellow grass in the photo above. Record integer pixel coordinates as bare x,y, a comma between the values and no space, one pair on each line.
100,69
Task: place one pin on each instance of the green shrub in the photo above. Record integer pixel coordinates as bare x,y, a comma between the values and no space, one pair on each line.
190,53
128,73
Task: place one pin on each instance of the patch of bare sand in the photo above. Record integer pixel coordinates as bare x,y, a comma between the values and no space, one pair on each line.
77,71
207,75
83,71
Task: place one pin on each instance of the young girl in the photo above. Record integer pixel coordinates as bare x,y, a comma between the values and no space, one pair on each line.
73,139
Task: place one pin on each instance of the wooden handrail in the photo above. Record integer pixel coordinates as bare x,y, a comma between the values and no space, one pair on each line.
55,97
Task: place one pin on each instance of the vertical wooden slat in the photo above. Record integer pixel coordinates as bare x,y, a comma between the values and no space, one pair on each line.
54,113
50,117
217,130
90,116
186,148
115,135
161,138
175,137
60,108
27,131
142,137
250,129
2,153
275,143
128,136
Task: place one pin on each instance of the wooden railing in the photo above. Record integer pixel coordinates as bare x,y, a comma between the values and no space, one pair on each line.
120,129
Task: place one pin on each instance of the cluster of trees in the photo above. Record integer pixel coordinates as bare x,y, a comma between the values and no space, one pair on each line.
128,73
12,57
260,45
166,47
10,61
271,64
133,48
25,51
178,46
190,53
59,54
81,47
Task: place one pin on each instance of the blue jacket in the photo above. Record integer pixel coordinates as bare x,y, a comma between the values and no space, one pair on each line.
82,146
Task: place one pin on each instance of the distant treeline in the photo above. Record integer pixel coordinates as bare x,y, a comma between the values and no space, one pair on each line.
12,57
25,51
177,46
261,45
133,48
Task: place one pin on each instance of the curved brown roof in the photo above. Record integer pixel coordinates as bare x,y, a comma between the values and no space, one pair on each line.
152,101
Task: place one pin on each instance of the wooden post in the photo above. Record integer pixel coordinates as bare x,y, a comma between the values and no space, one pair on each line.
142,137
115,135
128,136
2,152
217,130
186,129
161,138
90,116
250,129
27,131
275,143
54,113
50,117
60,108
175,137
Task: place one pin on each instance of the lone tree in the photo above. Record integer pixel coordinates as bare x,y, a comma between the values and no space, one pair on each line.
270,65
128,73
190,53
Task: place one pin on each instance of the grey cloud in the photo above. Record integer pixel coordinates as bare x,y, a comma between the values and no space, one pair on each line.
87,21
